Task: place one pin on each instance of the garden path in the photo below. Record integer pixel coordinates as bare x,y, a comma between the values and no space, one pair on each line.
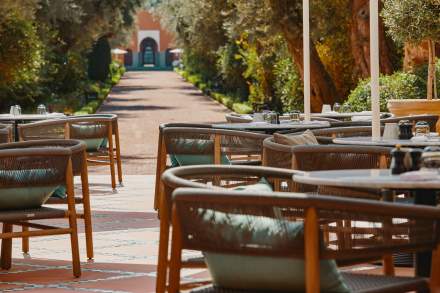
145,99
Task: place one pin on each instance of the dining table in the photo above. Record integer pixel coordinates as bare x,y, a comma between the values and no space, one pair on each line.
369,141
424,191
15,120
270,128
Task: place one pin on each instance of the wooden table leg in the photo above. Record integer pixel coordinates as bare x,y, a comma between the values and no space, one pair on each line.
423,259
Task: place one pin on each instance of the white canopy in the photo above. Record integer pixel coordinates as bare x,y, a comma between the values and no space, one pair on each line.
176,51
118,51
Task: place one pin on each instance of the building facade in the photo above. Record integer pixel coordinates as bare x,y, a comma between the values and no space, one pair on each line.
150,45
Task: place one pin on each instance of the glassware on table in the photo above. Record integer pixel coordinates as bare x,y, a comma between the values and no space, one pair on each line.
295,116
326,108
15,110
391,131
271,117
41,110
345,108
336,107
258,117
422,128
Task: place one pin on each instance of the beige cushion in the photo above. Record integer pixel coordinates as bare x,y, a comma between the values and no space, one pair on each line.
306,138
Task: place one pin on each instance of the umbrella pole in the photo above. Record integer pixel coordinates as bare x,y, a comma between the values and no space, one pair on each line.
375,71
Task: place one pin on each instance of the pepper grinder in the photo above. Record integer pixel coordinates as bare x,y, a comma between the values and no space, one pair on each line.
397,161
416,159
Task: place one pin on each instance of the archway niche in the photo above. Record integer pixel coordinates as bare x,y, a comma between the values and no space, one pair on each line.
148,52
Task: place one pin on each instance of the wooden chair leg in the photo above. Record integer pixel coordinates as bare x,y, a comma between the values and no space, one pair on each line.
311,239
435,271
176,256
25,241
87,209
76,265
111,156
160,168
6,254
118,153
162,263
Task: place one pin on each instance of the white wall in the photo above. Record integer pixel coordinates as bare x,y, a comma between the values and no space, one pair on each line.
154,34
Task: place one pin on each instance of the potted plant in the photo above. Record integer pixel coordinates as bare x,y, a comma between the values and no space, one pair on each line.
415,22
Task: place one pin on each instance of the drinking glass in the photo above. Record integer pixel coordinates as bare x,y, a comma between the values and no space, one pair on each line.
326,108
41,109
336,107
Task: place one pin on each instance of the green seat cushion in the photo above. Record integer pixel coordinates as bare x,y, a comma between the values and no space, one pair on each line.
26,197
248,272
93,144
60,192
188,160
86,133
189,149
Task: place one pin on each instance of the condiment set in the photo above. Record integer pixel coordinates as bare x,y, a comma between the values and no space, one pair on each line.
406,159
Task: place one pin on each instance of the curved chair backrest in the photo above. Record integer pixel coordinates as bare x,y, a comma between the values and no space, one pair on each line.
77,148
33,166
213,142
335,157
74,128
430,119
110,116
224,177
343,131
241,210
205,146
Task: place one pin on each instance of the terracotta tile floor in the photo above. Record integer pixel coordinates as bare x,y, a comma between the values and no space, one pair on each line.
125,244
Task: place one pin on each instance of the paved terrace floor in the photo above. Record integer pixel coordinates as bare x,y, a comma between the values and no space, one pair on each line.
125,225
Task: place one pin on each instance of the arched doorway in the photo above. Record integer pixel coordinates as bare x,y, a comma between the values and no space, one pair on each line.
148,50
128,58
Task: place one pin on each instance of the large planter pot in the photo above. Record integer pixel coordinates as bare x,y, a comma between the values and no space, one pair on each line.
415,107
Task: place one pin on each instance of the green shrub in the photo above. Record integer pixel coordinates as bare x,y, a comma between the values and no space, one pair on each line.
241,108
400,85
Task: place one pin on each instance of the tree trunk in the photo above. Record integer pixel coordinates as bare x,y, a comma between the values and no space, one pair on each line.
360,40
323,89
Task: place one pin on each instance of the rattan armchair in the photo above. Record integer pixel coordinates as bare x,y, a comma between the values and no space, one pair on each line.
213,177
6,131
193,231
326,157
96,128
218,145
79,168
22,168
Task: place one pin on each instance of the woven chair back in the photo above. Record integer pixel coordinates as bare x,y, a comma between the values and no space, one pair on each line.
205,218
76,147
208,141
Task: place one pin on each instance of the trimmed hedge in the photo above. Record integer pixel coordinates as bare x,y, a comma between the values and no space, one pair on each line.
206,87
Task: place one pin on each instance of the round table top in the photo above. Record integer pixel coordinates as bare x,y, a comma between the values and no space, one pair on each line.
263,126
367,140
364,178
340,114
30,117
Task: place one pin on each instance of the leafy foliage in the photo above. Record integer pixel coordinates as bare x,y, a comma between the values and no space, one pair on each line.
400,85
45,44
412,20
